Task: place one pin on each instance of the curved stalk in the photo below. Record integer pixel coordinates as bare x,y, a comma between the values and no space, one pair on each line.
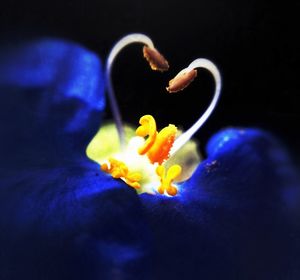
152,58
212,68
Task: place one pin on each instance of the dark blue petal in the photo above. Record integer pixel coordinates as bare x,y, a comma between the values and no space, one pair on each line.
51,102
232,219
60,217
70,223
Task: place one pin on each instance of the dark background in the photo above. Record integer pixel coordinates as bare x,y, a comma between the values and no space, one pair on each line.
254,43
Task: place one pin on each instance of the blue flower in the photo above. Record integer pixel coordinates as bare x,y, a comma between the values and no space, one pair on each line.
237,217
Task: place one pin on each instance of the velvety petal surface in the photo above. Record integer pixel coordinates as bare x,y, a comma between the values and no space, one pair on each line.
52,96
60,217
236,218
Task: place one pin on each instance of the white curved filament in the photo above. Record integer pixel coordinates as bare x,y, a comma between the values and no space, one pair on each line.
120,45
212,68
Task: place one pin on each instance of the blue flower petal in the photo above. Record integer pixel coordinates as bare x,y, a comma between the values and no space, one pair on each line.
64,69
60,217
70,223
52,97
232,219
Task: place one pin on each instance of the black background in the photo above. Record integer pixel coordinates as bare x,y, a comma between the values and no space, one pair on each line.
254,43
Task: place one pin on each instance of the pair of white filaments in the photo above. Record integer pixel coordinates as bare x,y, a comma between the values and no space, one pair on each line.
181,80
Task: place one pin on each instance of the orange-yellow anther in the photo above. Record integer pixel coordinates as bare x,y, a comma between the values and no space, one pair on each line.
160,150
118,169
132,179
166,179
147,128
157,145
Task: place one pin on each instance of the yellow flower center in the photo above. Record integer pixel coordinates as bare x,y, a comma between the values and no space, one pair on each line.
157,148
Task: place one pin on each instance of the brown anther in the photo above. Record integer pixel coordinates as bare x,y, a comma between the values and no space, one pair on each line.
155,59
181,81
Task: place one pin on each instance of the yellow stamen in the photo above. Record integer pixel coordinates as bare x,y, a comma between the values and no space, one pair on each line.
147,127
157,145
166,179
160,150
132,179
118,169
